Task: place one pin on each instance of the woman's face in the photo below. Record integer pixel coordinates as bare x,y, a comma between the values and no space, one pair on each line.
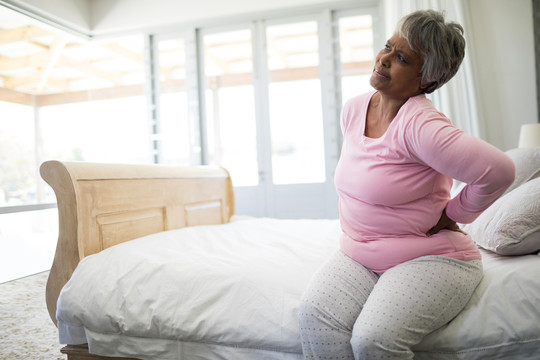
397,70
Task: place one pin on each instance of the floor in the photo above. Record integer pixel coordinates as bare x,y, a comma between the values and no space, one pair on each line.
26,330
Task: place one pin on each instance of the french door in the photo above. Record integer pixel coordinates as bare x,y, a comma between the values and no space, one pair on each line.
271,113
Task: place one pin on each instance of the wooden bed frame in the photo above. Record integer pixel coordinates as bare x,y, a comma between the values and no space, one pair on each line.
101,205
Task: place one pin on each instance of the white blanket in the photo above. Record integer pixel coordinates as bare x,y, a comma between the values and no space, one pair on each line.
231,292
235,285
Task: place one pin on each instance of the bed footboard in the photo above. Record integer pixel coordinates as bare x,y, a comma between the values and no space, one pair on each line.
101,205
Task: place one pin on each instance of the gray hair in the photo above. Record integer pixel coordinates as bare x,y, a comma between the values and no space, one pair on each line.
441,45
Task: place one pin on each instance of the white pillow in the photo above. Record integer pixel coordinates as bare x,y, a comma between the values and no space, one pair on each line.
511,226
527,161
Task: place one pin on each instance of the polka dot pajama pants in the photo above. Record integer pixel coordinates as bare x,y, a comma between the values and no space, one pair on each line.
349,312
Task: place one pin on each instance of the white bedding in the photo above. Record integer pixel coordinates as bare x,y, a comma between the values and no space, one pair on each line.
231,292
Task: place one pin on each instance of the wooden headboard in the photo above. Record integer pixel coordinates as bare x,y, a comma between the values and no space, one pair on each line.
101,205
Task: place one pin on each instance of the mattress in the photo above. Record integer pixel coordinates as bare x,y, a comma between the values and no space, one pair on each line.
231,291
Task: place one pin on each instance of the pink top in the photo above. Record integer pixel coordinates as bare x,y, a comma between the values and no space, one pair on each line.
393,189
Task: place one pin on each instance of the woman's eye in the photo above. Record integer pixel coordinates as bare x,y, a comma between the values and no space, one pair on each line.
387,47
401,58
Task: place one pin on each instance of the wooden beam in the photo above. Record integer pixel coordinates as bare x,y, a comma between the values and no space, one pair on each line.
39,45
9,64
54,54
22,34
91,95
85,68
41,60
16,97
13,83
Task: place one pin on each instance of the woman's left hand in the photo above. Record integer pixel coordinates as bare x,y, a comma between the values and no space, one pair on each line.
445,223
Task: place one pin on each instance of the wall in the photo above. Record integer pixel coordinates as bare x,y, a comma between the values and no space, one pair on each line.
504,63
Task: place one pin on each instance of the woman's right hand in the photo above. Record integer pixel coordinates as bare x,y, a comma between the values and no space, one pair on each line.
444,223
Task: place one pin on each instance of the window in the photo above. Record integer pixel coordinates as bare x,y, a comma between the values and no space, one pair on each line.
18,183
61,98
113,130
100,112
295,103
357,55
132,100
230,109
175,133
27,239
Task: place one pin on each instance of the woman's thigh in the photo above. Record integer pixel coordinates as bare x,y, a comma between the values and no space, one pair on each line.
330,306
410,301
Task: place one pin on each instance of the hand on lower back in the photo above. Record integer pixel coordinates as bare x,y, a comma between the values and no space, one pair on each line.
444,223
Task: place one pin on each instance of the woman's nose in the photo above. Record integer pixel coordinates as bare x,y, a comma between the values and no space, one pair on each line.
384,59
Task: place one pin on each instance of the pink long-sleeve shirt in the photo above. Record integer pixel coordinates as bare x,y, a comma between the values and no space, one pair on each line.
393,189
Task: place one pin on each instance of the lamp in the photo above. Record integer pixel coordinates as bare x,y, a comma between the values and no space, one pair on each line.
529,135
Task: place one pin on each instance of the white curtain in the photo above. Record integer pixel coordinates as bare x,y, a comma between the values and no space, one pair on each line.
457,98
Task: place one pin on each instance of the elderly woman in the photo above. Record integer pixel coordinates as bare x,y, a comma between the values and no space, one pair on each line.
404,268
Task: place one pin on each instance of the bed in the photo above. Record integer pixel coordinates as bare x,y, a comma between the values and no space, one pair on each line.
153,263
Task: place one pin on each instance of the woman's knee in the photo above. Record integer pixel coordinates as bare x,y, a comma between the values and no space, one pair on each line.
307,311
315,314
369,343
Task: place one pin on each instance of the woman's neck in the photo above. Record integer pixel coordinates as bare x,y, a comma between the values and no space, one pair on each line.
386,108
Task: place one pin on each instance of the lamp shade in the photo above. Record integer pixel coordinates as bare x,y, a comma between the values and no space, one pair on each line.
529,135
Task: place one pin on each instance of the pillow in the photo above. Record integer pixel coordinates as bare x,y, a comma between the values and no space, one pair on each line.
511,226
527,161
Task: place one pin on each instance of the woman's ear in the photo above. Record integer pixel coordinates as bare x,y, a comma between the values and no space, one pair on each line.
429,88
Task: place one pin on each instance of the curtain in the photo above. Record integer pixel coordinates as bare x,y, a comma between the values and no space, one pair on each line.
457,98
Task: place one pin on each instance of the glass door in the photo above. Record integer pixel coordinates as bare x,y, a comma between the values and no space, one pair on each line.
230,115
271,117
295,104
297,144
356,54
174,131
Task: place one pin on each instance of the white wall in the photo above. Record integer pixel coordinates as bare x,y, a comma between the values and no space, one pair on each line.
504,64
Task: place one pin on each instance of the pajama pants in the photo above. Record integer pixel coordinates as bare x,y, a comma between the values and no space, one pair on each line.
349,312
